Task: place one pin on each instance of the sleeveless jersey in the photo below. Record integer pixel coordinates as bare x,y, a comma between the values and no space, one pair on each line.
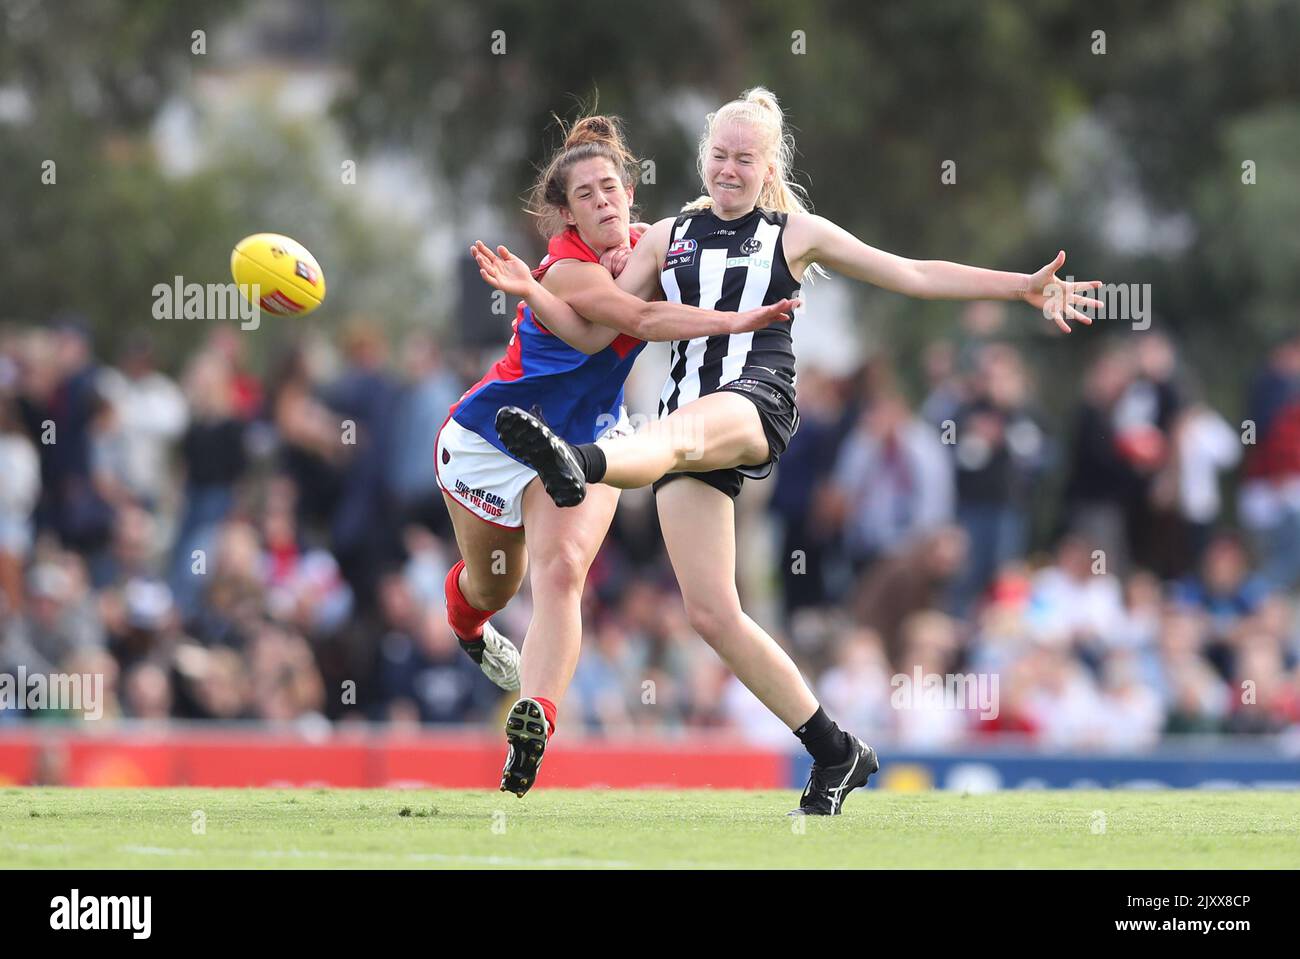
729,265
580,394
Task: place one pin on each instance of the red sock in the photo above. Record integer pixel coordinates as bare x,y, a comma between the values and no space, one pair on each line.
548,710
466,621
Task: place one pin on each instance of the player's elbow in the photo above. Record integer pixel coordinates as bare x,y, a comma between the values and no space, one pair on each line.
919,282
591,341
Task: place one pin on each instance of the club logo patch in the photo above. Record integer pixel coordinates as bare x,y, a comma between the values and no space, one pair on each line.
751,245
681,253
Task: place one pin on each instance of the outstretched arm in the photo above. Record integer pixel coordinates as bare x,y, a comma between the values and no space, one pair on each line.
814,239
508,273
587,310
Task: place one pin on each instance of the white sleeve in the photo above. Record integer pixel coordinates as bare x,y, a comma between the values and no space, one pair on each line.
938,482
1222,442
170,414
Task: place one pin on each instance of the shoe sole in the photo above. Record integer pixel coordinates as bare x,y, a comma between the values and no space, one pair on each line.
529,439
526,737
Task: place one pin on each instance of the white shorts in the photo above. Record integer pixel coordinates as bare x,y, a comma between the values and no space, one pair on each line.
485,480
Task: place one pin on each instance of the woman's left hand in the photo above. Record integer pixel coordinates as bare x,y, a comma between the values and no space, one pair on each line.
1058,298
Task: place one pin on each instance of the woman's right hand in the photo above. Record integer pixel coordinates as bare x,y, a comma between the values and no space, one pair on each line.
615,258
781,311
503,269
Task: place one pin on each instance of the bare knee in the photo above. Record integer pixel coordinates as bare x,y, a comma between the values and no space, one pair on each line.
562,569
716,620
492,586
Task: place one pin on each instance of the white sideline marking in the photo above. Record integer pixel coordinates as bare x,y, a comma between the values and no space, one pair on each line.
338,854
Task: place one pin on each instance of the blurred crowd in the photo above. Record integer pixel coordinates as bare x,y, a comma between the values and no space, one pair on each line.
267,541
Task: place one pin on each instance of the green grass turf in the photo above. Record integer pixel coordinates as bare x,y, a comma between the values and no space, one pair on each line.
556,828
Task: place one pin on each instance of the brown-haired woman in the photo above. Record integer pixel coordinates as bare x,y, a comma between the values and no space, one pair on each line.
504,521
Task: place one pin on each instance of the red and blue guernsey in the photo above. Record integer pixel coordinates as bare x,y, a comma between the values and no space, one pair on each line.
580,394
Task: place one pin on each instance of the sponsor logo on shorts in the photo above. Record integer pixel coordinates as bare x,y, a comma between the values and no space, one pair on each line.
752,386
490,503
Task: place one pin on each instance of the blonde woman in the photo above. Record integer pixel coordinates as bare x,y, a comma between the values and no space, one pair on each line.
727,410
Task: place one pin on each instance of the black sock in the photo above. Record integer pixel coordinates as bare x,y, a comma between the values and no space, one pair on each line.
592,458
825,741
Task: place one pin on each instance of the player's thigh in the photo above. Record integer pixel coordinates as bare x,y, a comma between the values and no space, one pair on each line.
495,556
699,530
718,431
563,541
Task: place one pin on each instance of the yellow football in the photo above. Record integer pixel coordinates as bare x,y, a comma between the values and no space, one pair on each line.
288,279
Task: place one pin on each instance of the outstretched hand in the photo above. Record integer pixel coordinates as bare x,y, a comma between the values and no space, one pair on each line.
1058,298
782,311
502,269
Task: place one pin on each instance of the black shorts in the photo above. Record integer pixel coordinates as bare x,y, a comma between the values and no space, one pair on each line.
773,395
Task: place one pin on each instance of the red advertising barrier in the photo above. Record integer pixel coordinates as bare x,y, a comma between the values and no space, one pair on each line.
190,757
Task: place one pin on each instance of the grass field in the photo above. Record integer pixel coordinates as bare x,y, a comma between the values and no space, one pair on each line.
76,828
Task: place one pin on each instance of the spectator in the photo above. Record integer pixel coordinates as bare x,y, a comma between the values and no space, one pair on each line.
422,407
1104,485
1133,712
147,693
946,392
605,678
807,531
1204,445
20,467
1270,492
893,482
856,687
423,667
364,400
1075,603
1224,588
257,621
999,453
927,717
311,448
911,581
61,616
1143,419
212,451
152,414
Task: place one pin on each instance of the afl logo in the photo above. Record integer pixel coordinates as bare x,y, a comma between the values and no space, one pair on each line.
681,246
751,245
